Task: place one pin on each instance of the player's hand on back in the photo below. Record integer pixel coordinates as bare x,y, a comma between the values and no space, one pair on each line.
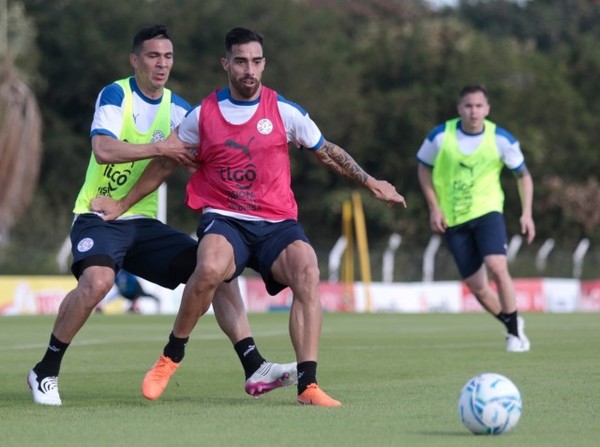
181,152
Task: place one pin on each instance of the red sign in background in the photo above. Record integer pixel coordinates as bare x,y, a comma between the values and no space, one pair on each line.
528,293
332,295
589,300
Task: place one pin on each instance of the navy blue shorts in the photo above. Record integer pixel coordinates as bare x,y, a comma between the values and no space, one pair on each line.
256,244
471,241
145,247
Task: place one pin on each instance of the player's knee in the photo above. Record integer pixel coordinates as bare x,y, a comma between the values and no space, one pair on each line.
92,287
211,274
312,274
478,289
307,276
499,273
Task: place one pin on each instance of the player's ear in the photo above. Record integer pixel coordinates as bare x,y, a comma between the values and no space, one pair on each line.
225,63
486,111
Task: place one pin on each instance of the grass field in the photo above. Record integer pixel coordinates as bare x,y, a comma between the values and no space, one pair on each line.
397,375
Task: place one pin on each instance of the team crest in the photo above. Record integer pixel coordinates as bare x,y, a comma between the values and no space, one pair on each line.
265,126
157,136
85,245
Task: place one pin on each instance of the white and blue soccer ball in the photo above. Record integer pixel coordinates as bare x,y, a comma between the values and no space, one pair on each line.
490,404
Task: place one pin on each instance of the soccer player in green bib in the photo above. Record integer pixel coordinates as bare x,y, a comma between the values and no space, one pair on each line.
132,122
459,169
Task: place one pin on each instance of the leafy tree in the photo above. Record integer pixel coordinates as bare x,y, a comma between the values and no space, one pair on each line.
376,75
562,101
20,120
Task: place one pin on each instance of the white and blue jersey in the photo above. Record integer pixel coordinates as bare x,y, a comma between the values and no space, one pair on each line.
509,149
300,128
108,115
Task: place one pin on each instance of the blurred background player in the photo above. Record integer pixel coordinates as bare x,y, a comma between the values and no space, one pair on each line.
459,172
128,286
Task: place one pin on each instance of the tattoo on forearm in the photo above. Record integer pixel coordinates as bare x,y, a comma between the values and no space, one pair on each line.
341,162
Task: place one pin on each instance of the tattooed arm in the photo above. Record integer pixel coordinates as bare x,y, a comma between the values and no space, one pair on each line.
340,162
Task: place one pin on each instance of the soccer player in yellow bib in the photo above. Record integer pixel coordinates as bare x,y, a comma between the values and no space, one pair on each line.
242,135
132,120
459,172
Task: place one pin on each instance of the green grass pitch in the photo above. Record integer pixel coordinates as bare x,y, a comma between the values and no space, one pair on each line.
397,375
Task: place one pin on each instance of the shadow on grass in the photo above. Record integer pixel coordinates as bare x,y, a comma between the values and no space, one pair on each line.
460,434
115,400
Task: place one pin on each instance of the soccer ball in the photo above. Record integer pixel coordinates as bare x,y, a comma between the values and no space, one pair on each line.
489,404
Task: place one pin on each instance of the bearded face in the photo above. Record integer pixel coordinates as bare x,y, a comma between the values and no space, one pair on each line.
244,66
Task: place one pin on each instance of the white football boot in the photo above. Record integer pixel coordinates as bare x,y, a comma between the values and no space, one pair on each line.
45,391
520,343
271,376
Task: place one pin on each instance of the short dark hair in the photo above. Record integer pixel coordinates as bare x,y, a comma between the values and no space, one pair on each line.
238,36
147,33
473,88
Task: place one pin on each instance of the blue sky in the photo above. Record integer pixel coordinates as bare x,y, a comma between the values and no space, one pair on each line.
442,2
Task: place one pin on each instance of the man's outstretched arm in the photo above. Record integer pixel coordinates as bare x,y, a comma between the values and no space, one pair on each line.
340,162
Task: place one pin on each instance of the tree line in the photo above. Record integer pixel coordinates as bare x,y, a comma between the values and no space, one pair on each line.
376,75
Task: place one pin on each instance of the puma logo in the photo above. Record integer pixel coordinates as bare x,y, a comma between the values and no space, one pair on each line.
235,145
466,166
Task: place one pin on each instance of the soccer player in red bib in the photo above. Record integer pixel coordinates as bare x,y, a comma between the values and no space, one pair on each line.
240,135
